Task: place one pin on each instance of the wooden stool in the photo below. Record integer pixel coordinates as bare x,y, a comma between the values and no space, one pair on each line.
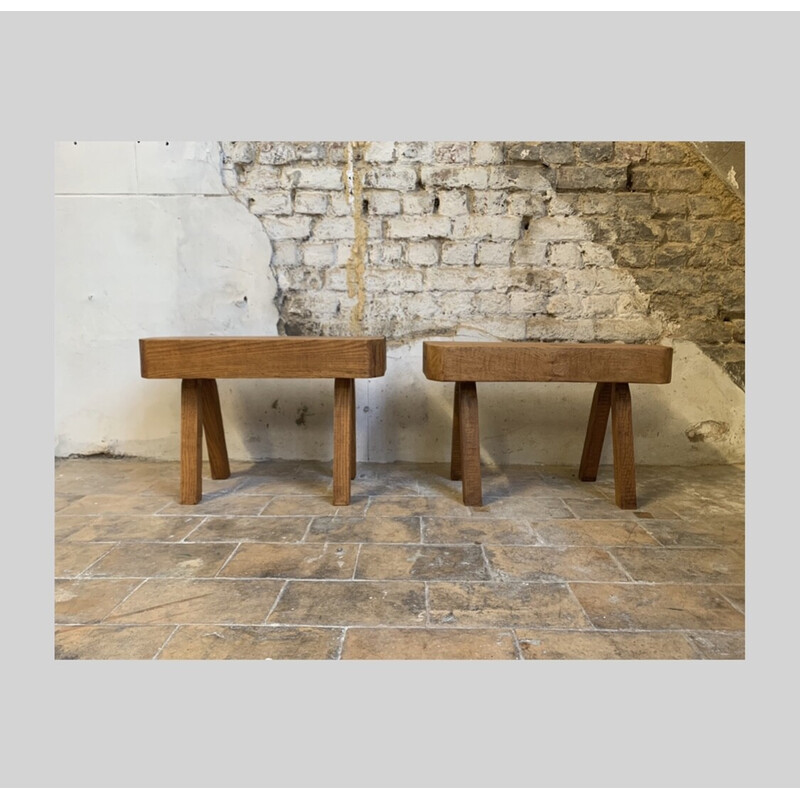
199,361
612,367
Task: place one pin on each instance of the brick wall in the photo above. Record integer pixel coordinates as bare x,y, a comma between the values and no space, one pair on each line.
588,241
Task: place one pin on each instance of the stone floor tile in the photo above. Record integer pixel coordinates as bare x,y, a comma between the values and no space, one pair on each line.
109,642
721,531
680,565
606,508
482,605
319,560
617,606
477,530
162,560
233,505
248,642
734,594
298,506
89,600
369,529
72,559
595,645
395,603
115,504
552,564
251,529
719,645
423,505
593,533
118,528
357,507
530,508
421,562
428,643
199,601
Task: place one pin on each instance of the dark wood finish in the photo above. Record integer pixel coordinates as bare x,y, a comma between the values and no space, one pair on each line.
622,438
470,444
595,432
262,357
546,362
191,442
611,366
198,361
214,430
343,439
455,446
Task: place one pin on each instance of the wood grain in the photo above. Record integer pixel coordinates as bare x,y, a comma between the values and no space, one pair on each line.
546,362
471,490
191,443
343,439
262,357
455,444
622,437
595,432
214,430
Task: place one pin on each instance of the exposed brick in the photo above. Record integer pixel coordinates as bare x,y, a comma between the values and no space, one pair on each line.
402,179
589,177
285,253
418,202
596,151
312,177
492,202
487,153
556,229
271,203
549,329
452,152
379,151
496,227
524,151
295,227
454,177
318,255
311,202
458,253
557,152
452,202
261,179
565,255
276,153
493,254
335,228
422,254
524,204
383,202
530,178
415,151
417,227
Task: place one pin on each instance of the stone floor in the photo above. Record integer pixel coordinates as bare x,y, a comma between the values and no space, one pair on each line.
264,567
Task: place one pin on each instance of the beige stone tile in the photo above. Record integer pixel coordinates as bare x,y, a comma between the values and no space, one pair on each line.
482,605
299,506
162,560
552,564
65,527
357,507
117,528
721,531
591,645
617,606
477,530
680,565
369,529
108,642
251,529
423,505
279,485
62,501
734,594
199,601
428,644
234,505
73,559
719,645
606,508
115,504
248,642
515,506
591,533
319,560
168,485
400,603
421,562
89,600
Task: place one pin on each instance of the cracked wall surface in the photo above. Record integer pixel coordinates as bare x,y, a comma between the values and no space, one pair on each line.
589,241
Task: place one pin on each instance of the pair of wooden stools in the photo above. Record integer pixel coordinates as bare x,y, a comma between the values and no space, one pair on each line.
199,361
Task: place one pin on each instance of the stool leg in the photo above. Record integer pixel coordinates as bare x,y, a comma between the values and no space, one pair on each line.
215,433
343,436
353,432
470,444
191,442
622,437
455,445
595,432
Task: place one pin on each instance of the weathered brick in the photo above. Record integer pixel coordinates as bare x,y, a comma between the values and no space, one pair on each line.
524,151
379,151
454,177
683,179
498,228
490,202
530,178
636,256
312,151
422,254
340,205
670,205
452,202
525,204
494,254
565,255
598,305
458,253
526,303
666,153
635,204
487,153
702,206
595,255
530,252
300,279
418,202
596,203
555,229
591,177
394,281
549,329
271,203
335,228
260,179
385,254
295,227
276,153
383,202
312,177
596,151
459,278
285,253
402,179
318,255
452,152
422,152
405,227
240,152
557,152
492,304
642,330
311,202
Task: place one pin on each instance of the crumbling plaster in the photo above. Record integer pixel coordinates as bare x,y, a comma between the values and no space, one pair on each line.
158,239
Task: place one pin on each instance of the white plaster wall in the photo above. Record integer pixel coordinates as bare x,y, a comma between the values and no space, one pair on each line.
150,243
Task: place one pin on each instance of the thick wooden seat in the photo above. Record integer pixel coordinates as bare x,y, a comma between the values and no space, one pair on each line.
612,367
198,361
